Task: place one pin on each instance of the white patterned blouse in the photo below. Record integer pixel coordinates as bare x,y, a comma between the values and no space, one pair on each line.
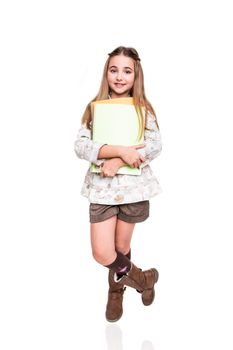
120,189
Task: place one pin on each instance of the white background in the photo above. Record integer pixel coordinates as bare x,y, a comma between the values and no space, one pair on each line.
53,294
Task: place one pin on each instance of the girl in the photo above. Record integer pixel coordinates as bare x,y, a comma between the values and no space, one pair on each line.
118,202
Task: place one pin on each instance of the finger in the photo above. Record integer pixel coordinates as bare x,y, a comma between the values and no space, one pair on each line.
142,159
139,146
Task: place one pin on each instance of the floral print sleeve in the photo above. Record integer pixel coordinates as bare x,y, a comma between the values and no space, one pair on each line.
152,141
86,148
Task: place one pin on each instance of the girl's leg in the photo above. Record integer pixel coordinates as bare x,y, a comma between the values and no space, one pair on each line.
143,281
104,252
114,307
123,236
103,241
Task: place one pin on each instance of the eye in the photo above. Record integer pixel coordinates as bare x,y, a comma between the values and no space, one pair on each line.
128,71
112,70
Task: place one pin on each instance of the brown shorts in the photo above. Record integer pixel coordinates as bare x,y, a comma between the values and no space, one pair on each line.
131,212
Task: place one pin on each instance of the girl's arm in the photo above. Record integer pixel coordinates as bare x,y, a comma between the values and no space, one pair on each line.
86,148
96,153
152,141
128,154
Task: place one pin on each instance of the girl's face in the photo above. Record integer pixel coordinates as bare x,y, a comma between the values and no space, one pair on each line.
120,75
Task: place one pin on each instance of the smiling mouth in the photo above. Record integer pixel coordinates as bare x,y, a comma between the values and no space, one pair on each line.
119,84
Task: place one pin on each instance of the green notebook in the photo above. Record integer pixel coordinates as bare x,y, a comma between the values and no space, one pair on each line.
115,122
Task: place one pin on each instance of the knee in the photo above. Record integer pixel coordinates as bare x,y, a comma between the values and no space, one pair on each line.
122,248
102,257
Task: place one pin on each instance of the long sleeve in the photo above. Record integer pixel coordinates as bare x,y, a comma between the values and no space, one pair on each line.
86,148
152,141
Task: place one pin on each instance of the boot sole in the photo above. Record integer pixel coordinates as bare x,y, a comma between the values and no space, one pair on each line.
156,275
115,320
148,304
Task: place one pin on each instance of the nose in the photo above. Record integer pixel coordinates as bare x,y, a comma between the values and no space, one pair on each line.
119,76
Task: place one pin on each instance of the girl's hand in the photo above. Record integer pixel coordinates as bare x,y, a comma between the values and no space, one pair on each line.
130,155
110,167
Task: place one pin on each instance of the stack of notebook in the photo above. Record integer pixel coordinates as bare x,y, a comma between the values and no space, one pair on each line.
116,122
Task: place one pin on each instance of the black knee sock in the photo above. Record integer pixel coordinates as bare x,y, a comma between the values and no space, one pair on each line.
121,265
128,255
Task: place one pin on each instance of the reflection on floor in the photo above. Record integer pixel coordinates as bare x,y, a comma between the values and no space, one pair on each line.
114,341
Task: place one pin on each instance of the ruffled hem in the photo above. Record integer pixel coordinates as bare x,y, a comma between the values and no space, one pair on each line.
120,196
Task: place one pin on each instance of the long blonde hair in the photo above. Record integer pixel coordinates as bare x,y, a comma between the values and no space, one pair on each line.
137,91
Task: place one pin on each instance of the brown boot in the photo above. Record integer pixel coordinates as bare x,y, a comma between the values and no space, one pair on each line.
114,309
142,281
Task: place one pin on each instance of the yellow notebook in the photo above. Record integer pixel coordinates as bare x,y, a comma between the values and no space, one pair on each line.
115,122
